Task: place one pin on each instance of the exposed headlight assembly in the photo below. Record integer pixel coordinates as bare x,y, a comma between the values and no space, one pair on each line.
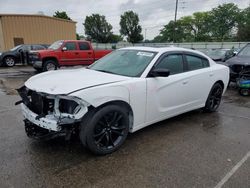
69,109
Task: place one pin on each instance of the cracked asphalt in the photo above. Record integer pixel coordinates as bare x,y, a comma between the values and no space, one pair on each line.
195,149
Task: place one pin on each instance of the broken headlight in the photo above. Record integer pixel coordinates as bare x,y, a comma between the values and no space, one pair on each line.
70,107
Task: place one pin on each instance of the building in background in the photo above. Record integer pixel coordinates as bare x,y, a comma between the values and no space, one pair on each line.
18,29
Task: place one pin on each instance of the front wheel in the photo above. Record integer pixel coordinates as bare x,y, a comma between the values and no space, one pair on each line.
105,130
214,98
49,65
9,61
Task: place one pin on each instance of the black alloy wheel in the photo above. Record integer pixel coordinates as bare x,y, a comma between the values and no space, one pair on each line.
214,98
107,130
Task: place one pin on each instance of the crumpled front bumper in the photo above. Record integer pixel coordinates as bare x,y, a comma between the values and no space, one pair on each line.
47,122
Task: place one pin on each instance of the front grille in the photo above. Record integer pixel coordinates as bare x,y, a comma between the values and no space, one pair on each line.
36,102
237,68
240,68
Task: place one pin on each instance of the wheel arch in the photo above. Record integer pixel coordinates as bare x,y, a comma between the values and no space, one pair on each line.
221,83
50,58
123,104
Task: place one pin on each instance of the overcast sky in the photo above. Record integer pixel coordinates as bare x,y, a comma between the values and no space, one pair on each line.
152,13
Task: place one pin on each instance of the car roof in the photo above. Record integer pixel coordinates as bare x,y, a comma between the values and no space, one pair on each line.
163,49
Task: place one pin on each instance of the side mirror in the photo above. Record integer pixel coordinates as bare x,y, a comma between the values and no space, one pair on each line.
64,48
159,73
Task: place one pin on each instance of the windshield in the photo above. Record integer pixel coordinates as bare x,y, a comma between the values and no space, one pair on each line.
56,45
130,63
15,48
245,51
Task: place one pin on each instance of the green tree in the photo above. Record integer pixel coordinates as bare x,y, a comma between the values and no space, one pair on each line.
173,31
130,27
224,19
97,28
115,38
243,33
62,15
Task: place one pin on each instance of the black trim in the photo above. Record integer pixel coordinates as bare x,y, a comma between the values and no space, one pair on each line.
163,56
197,56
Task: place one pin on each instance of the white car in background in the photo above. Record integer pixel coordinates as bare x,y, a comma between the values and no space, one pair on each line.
123,92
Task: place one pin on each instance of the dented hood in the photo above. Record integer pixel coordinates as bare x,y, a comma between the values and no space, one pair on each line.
68,81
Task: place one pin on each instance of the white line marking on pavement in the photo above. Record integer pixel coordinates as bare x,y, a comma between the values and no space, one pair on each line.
234,169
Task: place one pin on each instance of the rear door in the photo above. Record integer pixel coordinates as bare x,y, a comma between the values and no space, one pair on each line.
86,54
200,78
70,56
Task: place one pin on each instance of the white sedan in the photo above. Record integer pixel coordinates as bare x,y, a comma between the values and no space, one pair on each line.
123,92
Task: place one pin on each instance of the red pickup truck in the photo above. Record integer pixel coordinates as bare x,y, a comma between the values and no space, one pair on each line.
66,53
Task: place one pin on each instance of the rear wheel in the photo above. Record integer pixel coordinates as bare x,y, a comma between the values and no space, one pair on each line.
214,98
105,130
9,61
49,65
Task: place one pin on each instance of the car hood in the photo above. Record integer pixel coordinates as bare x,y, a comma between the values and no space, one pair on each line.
69,81
239,60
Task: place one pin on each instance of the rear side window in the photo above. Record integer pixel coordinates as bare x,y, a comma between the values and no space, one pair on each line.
70,45
84,46
173,62
195,63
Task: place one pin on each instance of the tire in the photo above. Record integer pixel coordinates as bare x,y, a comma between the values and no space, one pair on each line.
9,61
214,98
103,131
49,65
244,92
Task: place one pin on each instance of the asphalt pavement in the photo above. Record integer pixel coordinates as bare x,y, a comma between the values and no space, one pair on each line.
195,149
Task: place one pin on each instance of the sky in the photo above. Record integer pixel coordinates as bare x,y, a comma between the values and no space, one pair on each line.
153,14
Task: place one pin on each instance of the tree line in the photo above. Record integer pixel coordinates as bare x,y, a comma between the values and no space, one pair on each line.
226,22
98,29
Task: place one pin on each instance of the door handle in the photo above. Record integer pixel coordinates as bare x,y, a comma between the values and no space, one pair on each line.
211,74
77,53
184,82
89,53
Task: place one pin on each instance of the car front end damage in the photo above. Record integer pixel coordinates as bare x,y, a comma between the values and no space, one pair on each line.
48,116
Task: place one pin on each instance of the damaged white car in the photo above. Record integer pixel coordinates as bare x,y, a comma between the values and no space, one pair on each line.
123,92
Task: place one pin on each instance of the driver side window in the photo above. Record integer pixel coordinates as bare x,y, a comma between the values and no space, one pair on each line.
173,62
70,46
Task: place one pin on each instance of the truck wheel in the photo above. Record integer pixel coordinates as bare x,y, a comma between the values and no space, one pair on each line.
49,65
105,130
9,61
214,98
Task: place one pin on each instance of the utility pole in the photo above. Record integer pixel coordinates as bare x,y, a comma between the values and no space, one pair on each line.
145,34
175,17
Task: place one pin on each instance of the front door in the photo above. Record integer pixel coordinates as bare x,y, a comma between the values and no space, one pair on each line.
166,95
70,54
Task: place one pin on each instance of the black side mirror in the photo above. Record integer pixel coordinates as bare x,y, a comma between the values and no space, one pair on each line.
159,73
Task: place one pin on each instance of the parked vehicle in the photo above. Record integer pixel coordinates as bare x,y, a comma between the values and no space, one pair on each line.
66,53
239,63
18,54
123,92
220,54
243,83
